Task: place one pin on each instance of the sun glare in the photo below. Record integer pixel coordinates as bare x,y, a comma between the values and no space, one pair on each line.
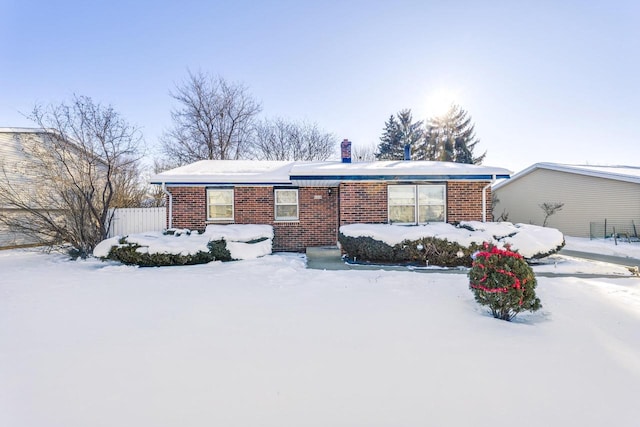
440,100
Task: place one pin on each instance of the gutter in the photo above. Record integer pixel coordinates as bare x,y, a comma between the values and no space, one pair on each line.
484,198
170,197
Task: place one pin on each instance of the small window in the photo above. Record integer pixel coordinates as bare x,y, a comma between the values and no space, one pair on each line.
220,204
416,204
286,205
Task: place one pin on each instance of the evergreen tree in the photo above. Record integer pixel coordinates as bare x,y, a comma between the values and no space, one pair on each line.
399,131
450,138
427,148
390,147
411,132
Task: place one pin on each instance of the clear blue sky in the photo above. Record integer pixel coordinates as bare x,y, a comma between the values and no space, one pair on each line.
554,81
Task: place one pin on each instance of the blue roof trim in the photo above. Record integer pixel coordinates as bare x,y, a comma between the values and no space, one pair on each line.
393,177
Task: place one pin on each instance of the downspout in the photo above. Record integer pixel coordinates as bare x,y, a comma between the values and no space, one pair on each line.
170,197
484,198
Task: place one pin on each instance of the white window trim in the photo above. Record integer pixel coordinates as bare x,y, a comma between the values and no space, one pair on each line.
233,210
416,204
276,204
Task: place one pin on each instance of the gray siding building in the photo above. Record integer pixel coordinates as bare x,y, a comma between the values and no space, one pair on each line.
591,196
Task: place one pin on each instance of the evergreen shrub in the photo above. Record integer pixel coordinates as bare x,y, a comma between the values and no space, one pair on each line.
128,253
502,280
423,251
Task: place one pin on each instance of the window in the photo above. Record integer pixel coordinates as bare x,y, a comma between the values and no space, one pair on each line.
220,204
402,203
431,203
416,204
286,205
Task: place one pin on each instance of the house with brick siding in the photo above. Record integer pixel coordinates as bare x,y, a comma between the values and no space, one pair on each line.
307,202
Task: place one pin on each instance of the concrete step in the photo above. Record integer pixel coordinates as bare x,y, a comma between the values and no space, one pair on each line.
323,252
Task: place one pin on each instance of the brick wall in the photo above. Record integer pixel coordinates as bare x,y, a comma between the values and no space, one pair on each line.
317,224
464,201
363,202
318,216
189,207
318,209
253,205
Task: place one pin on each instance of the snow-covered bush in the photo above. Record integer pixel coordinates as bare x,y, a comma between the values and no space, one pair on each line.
502,280
184,247
422,251
132,253
444,244
531,241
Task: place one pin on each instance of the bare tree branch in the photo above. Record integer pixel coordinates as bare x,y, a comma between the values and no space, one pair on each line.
281,139
550,209
84,162
364,153
214,120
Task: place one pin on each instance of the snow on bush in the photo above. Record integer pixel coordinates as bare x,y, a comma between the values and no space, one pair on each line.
241,241
529,240
239,232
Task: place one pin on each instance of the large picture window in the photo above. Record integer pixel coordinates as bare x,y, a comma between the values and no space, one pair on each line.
416,204
286,204
220,204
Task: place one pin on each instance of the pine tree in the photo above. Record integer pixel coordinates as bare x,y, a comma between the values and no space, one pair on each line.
411,132
399,131
390,147
450,138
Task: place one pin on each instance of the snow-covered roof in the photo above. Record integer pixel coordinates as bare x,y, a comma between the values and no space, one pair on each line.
227,172
618,173
207,172
22,130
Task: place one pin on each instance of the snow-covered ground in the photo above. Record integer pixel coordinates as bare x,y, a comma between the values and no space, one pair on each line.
266,342
603,247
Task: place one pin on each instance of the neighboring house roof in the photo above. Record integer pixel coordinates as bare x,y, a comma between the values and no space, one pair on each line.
618,173
207,172
22,130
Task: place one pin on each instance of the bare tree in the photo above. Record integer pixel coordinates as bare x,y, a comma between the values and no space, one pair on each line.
214,120
363,153
281,139
549,210
504,216
83,163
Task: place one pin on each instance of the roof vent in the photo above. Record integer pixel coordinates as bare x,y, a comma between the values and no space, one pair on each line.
407,152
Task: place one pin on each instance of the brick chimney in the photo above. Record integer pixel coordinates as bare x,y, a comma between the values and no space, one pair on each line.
345,148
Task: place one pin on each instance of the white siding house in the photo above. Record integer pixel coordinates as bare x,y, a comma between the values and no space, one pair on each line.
12,166
591,196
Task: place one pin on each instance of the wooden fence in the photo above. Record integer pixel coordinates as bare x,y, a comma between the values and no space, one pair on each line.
138,220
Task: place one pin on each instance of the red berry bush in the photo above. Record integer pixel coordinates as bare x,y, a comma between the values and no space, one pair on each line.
503,281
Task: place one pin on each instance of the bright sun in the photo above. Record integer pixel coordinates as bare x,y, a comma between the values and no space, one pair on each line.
439,101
